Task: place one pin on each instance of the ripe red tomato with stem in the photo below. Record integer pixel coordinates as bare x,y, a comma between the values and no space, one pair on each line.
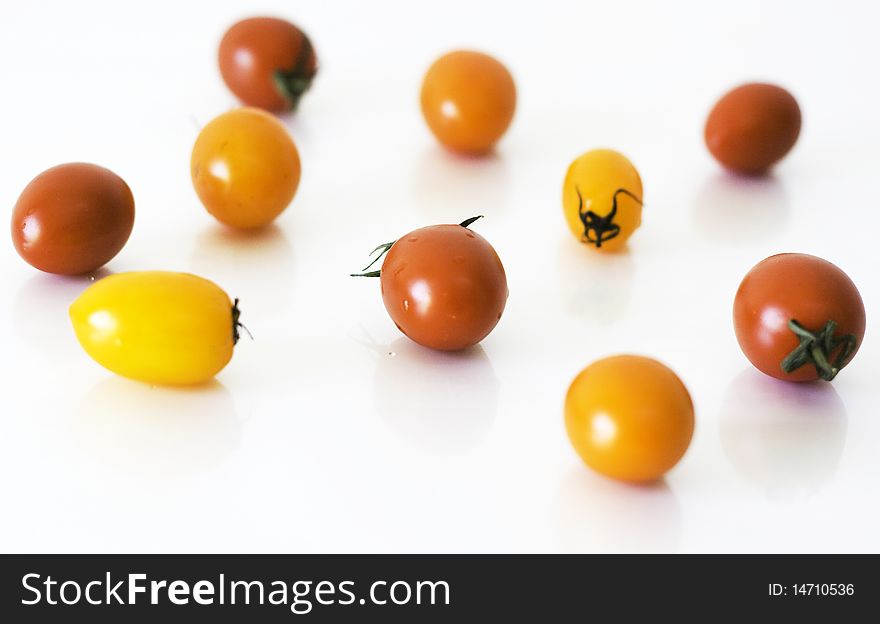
443,285
798,317
267,62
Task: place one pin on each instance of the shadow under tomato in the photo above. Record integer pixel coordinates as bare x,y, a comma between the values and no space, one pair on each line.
449,187
442,402
596,514
40,311
244,262
736,209
784,438
595,285
157,432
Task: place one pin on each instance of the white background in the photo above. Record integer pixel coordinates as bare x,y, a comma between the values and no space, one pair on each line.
330,431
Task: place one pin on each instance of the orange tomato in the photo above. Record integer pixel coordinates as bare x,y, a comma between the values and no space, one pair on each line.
245,168
629,417
468,99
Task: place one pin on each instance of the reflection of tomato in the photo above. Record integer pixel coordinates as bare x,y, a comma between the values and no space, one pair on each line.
444,286
267,62
426,408
156,326
72,219
629,417
602,199
245,168
787,439
798,317
468,99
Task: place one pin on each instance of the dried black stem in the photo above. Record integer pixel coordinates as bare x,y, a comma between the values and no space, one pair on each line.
604,228
237,325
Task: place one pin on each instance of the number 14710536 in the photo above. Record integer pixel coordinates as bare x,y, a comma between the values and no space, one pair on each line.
811,589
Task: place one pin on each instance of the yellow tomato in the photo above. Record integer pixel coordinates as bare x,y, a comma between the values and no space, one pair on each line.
602,199
629,417
157,326
245,168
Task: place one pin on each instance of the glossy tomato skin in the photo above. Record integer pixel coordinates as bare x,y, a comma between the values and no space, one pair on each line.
591,183
629,418
468,100
157,327
795,286
267,62
245,168
72,219
753,127
444,286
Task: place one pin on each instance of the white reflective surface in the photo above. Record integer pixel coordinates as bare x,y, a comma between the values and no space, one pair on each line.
330,431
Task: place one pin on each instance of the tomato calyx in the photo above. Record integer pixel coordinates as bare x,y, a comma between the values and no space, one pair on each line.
384,247
292,83
467,222
237,325
817,347
604,228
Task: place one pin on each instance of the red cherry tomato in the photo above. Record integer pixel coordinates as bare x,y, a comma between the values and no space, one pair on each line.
798,317
72,219
443,286
753,127
267,62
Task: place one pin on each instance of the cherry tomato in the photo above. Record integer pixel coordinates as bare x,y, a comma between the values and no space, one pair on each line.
629,417
602,199
468,99
798,317
157,326
443,286
267,62
245,168
753,127
72,219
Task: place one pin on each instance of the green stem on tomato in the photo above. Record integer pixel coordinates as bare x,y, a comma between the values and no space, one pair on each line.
467,222
817,347
292,83
384,247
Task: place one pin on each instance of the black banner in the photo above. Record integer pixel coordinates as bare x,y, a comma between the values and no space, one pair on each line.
431,588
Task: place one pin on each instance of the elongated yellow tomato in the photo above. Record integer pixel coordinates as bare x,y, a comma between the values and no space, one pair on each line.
157,326
602,199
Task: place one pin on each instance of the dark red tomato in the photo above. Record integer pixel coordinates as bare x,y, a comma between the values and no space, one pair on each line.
752,127
798,317
72,219
267,62
444,286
